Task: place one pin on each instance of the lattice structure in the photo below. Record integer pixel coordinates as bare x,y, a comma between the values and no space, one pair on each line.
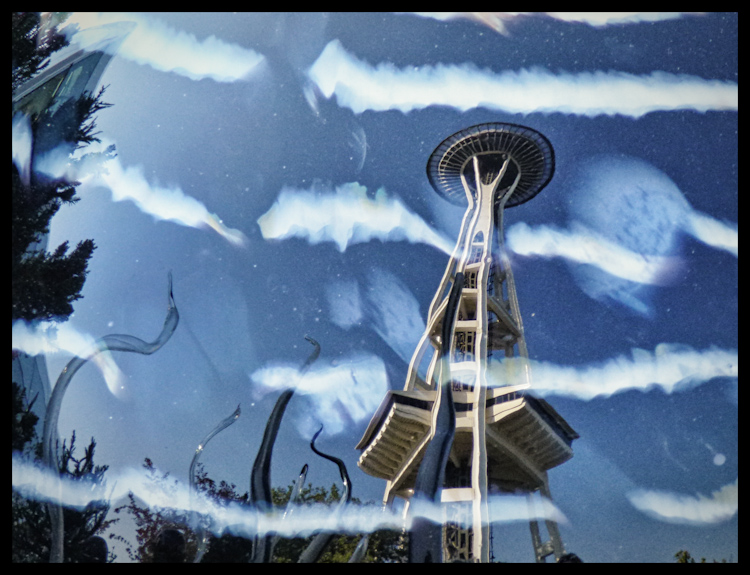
505,439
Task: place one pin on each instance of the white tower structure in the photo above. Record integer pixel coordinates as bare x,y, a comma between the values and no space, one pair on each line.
505,439
40,99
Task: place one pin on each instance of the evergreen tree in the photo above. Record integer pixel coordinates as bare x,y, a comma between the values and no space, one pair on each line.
24,420
34,39
44,285
683,556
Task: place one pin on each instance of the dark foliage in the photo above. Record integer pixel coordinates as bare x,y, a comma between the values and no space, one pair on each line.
45,284
30,536
24,420
683,556
86,108
152,524
34,39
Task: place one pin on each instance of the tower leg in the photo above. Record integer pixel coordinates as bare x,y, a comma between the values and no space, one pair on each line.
554,532
553,546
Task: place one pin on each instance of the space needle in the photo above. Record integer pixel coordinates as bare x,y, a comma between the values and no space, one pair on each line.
473,356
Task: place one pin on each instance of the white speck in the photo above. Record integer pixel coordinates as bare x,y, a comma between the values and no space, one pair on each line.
110,323
720,459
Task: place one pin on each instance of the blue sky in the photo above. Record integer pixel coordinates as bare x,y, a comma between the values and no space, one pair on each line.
302,118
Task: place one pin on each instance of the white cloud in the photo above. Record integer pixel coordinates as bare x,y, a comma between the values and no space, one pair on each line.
42,485
346,217
50,337
712,232
698,509
670,367
154,43
101,166
586,247
498,20
360,86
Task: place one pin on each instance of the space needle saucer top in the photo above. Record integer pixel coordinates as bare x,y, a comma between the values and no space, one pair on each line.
492,143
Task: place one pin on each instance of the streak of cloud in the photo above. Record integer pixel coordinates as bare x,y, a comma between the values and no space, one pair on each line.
670,367
603,19
698,509
586,247
346,217
129,183
164,203
49,337
498,20
359,86
338,395
153,43
712,232
580,245
174,500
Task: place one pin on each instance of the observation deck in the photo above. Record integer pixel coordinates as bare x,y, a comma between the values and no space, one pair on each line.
525,437
491,143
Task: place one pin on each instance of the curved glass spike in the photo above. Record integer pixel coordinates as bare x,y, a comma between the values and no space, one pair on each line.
200,528
114,342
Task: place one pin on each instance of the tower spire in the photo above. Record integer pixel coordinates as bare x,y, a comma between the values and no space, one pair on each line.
505,439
